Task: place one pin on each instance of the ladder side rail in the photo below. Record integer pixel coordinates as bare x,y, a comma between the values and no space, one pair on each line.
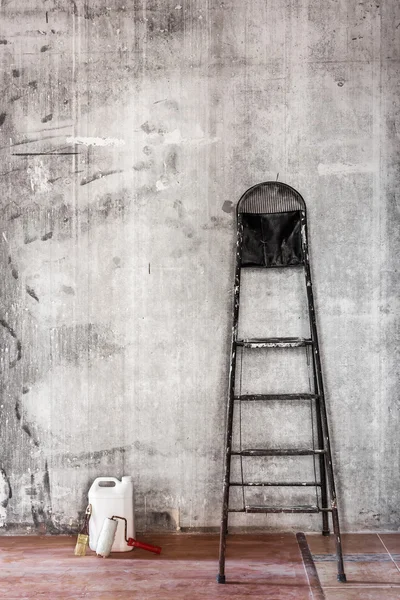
320,436
323,411
231,402
321,444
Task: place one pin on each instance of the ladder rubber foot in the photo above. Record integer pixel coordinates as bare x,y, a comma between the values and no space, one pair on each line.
342,578
220,578
326,533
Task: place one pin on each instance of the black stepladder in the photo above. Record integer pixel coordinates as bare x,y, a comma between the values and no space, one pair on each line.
272,233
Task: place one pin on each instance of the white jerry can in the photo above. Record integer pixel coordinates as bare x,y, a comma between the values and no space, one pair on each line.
111,497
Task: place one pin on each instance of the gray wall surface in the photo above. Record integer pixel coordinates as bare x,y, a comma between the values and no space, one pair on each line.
129,129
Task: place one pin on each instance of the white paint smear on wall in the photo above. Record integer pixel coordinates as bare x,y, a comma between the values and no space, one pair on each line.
346,168
175,137
95,141
39,177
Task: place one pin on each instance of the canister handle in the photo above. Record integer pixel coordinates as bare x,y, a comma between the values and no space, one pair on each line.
98,479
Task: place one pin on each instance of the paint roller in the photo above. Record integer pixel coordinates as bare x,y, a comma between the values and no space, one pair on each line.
107,537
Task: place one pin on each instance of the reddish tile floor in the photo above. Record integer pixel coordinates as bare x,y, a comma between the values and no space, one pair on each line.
371,563
267,566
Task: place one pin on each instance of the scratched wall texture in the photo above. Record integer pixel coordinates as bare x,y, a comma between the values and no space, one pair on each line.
128,128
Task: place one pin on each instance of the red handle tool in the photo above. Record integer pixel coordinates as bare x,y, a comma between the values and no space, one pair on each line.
149,547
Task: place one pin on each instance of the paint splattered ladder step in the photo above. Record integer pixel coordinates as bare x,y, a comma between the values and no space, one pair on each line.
274,342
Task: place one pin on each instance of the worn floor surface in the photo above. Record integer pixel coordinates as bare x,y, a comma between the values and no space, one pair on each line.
264,567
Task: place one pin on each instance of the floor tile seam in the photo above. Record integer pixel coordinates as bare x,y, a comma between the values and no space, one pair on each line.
387,550
362,586
361,557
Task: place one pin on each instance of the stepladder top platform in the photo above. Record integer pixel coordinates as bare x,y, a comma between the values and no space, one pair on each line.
271,216
270,197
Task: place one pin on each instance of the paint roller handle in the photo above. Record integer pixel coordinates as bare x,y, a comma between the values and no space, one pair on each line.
143,546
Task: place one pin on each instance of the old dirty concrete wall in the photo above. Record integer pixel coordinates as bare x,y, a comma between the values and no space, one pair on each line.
128,128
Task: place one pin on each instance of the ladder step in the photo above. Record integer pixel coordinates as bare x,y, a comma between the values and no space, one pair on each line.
282,509
278,452
266,397
276,484
274,343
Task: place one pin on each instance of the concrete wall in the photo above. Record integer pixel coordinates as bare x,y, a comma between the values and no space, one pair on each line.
128,130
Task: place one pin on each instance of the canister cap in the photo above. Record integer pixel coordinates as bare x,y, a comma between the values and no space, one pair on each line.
127,479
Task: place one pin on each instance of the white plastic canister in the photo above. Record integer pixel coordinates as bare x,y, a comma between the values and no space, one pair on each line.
111,497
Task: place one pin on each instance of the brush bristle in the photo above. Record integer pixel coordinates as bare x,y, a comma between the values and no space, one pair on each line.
81,545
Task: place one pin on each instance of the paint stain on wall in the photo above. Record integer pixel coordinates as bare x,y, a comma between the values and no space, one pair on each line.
99,175
67,289
71,343
95,141
41,507
39,176
5,495
18,352
228,206
31,292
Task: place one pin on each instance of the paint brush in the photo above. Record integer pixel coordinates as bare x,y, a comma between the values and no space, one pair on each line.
83,536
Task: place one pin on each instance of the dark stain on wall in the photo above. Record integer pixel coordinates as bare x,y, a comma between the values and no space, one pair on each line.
228,206
57,221
74,7
8,494
3,116
90,458
171,161
142,166
161,20
148,128
160,520
72,343
41,505
14,271
46,481
147,449
28,432
11,211
24,426
11,331
93,10
18,410
144,194
217,223
67,289
30,239
99,175
31,292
